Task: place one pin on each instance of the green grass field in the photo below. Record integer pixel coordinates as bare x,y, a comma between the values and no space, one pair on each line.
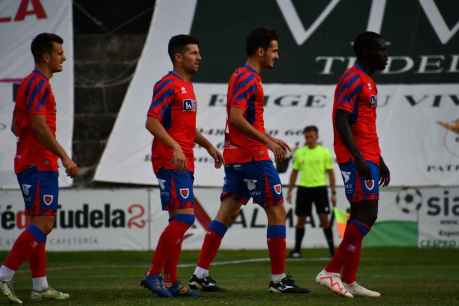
405,276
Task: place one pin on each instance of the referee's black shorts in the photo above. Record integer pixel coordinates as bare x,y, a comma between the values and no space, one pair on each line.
306,196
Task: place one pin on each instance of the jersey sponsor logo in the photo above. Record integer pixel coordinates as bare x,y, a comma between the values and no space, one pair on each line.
48,199
369,184
183,90
26,189
184,192
189,105
373,101
251,184
278,188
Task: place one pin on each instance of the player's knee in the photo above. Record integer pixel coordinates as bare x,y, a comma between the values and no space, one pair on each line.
276,214
300,221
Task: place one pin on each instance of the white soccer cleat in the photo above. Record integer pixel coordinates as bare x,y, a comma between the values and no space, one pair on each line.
48,294
7,290
359,290
333,282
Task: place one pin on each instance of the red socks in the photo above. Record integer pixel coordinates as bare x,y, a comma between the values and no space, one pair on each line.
347,258
25,247
167,254
276,247
211,243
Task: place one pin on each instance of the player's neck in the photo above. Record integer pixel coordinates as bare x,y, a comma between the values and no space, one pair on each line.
44,69
311,146
183,74
365,67
255,64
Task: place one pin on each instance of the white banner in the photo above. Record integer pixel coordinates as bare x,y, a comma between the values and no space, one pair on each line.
418,150
20,22
132,219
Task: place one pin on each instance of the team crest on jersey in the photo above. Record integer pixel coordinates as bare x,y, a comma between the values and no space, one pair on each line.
278,188
189,105
184,192
183,90
26,189
251,184
373,101
370,184
48,199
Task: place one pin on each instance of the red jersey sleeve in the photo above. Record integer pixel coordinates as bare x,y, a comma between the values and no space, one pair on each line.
163,95
39,96
347,92
244,87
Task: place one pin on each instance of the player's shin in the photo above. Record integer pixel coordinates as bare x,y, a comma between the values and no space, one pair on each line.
179,225
210,246
276,246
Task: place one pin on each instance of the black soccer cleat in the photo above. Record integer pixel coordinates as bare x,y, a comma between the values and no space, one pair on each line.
205,284
287,285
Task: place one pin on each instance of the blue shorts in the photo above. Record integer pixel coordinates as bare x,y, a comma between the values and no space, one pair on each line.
358,189
40,191
258,180
176,189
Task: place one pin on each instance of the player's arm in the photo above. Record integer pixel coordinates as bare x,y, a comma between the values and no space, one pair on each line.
238,120
343,126
291,183
206,144
332,183
155,127
48,140
384,172
13,124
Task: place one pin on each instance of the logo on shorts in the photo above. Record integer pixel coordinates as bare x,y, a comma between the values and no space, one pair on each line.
346,176
251,184
370,184
278,188
48,199
26,189
162,184
184,192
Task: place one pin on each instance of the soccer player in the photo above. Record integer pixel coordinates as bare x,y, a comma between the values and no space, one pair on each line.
315,165
359,156
34,124
249,172
172,122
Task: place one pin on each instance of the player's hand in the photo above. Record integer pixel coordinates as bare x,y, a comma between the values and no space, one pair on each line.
385,174
282,143
71,167
333,200
179,158
289,197
363,169
277,149
217,156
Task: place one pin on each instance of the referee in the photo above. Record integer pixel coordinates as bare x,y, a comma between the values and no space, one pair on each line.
315,165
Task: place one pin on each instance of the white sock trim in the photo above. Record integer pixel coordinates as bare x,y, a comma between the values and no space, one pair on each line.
39,283
6,274
277,277
201,272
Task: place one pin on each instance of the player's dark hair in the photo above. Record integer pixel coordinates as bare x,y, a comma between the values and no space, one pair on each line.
43,43
178,43
259,38
365,40
311,128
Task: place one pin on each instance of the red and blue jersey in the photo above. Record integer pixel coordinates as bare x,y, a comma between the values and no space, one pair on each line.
34,97
245,91
356,93
174,105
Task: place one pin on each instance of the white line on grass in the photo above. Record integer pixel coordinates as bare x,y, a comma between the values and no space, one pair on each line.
187,265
